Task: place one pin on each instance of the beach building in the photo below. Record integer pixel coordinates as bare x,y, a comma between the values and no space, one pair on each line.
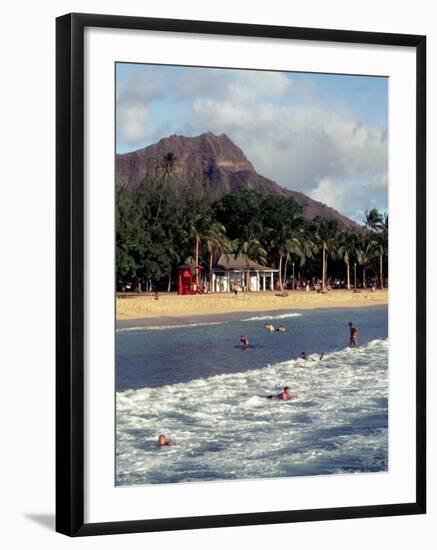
189,279
241,273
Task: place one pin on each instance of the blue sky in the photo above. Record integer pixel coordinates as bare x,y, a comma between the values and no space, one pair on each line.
323,135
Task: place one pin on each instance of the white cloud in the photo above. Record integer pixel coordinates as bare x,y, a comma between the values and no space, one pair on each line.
131,123
141,87
297,145
352,198
290,133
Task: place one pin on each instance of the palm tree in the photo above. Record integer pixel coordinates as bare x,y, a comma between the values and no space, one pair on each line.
217,243
166,170
176,237
251,249
325,236
198,228
383,248
373,220
366,251
298,247
377,225
347,247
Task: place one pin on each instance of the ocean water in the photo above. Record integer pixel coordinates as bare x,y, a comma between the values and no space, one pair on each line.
193,384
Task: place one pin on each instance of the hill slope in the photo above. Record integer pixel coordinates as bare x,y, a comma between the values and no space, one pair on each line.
219,164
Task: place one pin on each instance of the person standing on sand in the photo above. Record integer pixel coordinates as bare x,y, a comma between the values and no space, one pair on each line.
353,336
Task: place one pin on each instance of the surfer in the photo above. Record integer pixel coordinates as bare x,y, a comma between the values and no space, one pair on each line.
353,336
284,395
244,342
164,442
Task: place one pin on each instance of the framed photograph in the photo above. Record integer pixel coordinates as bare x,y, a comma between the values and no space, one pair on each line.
240,274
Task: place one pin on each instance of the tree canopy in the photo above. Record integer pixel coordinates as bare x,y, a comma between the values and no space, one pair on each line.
160,226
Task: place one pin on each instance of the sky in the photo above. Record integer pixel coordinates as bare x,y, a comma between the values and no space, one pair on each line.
322,134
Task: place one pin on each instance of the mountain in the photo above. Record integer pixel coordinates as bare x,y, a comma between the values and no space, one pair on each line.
218,163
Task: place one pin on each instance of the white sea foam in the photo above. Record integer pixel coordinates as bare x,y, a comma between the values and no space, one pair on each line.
168,327
271,317
226,429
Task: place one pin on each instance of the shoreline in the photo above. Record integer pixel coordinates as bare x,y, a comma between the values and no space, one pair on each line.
172,310
208,318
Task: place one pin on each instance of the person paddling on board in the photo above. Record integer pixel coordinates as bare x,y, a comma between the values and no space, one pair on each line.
284,395
353,336
244,342
164,442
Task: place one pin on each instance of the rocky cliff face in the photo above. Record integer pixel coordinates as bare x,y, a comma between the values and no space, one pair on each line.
216,162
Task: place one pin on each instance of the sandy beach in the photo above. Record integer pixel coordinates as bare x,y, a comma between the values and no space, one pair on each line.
171,306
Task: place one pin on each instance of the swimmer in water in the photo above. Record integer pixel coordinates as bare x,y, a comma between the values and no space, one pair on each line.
164,442
244,342
270,327
284,395
281,328
303,355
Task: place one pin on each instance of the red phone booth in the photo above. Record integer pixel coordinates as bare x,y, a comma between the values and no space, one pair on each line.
189,279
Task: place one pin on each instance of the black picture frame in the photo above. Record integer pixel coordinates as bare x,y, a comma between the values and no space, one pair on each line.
70,272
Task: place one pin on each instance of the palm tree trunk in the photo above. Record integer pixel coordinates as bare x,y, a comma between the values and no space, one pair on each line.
323,268
210,271
161,195
381,280
364,277
280,272
285,270
348,276
326,270
169,283
196,259
196,252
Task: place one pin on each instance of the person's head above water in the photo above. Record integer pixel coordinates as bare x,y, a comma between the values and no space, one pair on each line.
286,389
350,323
162,439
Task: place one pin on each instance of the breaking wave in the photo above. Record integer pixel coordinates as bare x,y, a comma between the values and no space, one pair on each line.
224,427
271,317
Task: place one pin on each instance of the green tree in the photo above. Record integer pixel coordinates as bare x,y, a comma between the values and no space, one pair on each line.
165,171
366,250
216,242
346,250
325,239
377,227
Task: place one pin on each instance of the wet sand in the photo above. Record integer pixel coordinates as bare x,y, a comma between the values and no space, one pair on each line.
135,310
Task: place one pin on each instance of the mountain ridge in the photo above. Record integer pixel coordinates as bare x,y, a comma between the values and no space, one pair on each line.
220,164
